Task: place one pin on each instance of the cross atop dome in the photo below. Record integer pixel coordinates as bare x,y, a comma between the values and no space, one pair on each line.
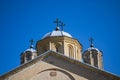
58,24
91,42
31,43
62,25
57,21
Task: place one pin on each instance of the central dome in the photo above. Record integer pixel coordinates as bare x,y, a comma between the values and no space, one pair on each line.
57,32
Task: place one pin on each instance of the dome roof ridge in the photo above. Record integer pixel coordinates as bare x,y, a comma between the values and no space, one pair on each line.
93,48
31,50
56,33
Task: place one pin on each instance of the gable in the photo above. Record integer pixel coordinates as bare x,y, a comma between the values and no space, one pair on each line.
52,66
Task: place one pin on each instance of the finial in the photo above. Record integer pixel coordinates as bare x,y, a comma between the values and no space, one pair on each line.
57,29
31,43
62,25
91,42
57,22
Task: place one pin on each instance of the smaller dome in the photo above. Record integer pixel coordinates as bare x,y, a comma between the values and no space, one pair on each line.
92,48
57,33
31,50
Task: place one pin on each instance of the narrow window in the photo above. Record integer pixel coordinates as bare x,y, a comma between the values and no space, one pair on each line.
28,56
71,51
57,49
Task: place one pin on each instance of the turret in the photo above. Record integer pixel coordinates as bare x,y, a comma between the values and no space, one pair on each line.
28,54
93,56
61,42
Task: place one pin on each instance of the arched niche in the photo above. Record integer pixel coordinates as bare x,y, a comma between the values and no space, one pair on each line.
70,51
53,74
57,47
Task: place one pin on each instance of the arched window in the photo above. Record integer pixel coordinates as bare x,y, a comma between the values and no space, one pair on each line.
28,55
71,51
58,47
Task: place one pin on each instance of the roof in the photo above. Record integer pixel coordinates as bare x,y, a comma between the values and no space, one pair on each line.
56,54
92,48
31,50
56,32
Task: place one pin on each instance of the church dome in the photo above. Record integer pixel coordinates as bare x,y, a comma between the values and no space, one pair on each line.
28,54
30,49
57,32
93,49
93,56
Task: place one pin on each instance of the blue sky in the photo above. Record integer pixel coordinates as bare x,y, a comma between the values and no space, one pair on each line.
21,20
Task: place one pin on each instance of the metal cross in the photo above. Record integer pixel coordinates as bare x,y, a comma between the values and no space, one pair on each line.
91,41
62,25
57,22
31,41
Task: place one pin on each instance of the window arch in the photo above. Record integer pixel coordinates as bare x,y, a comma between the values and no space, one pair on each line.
28,55
70,51
58,47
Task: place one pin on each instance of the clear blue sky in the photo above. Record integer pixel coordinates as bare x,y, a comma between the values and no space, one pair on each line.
21,20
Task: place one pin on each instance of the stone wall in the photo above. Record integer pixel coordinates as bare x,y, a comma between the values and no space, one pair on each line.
56,68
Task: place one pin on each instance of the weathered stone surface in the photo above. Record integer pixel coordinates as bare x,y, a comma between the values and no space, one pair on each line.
55,66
